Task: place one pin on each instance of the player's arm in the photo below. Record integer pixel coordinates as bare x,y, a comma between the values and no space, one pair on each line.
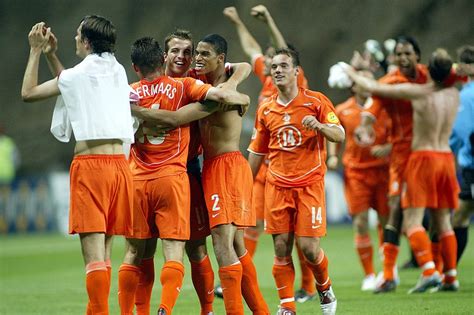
333,155
332,132
49,50
165,119
261,12
30,90
381,150
408,91
255,160
247,41
227,96
240,72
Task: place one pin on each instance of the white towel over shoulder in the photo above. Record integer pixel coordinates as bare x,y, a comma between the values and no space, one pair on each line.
94,102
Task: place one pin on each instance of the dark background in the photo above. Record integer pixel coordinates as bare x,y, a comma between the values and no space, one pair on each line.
323,31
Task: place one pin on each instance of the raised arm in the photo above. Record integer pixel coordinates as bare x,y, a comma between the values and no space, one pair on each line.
165,119
49,50
30,90
227,96
247,41
408,91
261,12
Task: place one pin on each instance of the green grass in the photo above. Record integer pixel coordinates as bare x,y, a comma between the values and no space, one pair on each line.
44,274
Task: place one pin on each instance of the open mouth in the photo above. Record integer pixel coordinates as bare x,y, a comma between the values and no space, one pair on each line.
199,66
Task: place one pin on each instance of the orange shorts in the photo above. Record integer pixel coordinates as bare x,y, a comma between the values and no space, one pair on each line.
301,210
366,188
101,195
161,207
199,218
398,162
227,182
431,181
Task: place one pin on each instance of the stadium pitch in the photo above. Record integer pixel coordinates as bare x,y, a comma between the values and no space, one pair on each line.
44,274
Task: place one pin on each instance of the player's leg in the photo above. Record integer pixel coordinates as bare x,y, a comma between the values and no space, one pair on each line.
129,274
307,291
284,270
420,244
146,278
461,219
363,245
97,279
230,268
250,289
447,239
252,233
172,273
202,274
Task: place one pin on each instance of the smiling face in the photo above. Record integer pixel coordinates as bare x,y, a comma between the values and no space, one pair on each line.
283,71
406,59
207,59
179,57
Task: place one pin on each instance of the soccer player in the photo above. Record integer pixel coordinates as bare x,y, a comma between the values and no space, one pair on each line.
430,176
291,127
365,174
95,97
158,163
261,68
462,143
407,56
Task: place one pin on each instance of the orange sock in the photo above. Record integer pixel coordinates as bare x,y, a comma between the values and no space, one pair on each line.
171,279
108,265
363,245
421,246
437,257
203,281
284,275
97,284
250,290
320,271
127,286
449,254
145,286
231,278
390,253
251,236
307,277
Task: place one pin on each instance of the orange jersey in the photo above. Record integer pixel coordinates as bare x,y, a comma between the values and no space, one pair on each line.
355,154
150,154
268,89
400,111
297,156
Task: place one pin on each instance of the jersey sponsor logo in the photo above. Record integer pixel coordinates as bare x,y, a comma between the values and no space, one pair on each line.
332,118
289,137
266,112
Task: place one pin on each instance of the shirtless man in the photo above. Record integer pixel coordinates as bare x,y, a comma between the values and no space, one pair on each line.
430,176
101,182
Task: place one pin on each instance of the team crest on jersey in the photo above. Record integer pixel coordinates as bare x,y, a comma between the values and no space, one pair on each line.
286,118
332,118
